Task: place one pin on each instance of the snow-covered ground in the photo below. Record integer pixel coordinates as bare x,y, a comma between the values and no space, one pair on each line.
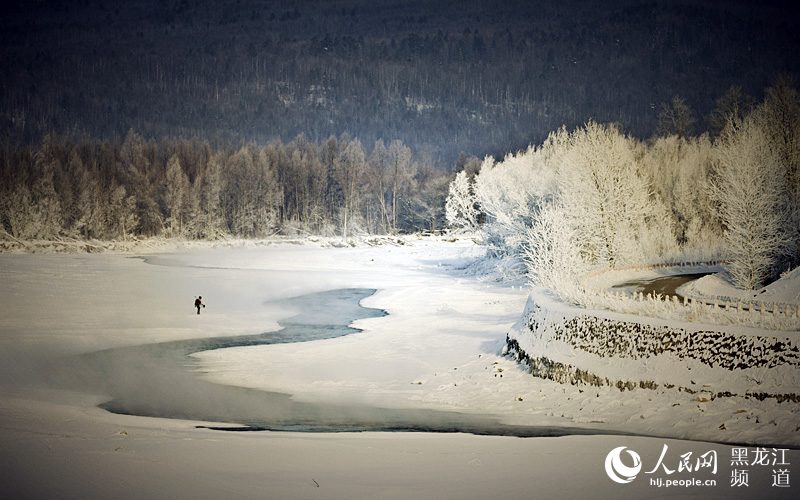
714,287
632,291
786,290
438,348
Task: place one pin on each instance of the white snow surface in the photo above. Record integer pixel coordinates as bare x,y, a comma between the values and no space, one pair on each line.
717,286
438,348
735,417
664,368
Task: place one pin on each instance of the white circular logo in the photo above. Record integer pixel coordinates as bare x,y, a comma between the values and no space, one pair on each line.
620,472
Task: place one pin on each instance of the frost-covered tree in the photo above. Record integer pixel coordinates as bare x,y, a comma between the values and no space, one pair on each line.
510,193
210,221
251,197
460,210
402,175
732,106
678,171
553,255
34,211
601,210
749,188
91,208
349,167
676,118
267,192
122,217
608,202
69,190
378,167
426,207
136,168
176,196
779,117
19,211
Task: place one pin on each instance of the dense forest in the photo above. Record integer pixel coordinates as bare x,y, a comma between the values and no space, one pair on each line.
189,189
445,77
594,198
249,118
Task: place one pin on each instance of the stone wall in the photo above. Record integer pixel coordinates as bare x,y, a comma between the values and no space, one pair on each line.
572,345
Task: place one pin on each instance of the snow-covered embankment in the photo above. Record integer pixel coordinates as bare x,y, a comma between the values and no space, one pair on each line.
578,346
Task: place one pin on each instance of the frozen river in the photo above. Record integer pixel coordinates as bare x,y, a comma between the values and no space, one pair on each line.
162,380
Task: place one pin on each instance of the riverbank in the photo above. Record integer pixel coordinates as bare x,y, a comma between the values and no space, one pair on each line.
440,348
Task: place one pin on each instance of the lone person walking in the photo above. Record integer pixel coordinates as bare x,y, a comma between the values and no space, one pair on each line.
198,303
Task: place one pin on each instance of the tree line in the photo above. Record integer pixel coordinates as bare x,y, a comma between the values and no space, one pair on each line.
595,198
188,189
